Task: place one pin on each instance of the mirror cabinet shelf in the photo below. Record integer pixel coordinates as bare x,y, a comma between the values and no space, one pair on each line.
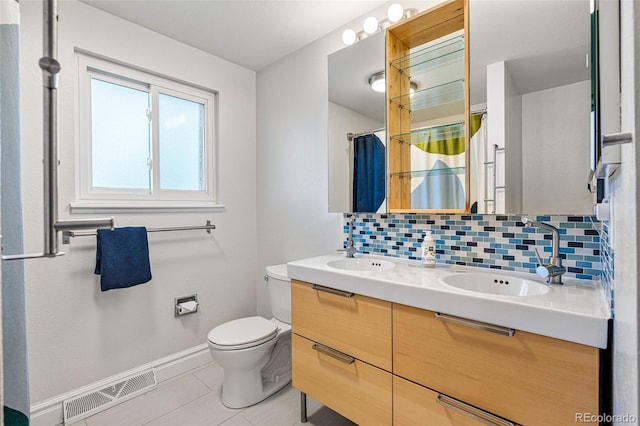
445,53
427,84
431,134
430,97
433,173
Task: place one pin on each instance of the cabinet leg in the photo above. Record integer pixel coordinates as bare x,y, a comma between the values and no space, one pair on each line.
303,407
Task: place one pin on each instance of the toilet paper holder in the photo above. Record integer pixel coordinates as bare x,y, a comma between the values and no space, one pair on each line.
186,305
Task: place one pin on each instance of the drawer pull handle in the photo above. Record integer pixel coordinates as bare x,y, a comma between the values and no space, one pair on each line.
471,411
331,290
342,357
504,331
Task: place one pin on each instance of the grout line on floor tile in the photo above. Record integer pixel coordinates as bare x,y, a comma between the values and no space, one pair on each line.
239,413
166,413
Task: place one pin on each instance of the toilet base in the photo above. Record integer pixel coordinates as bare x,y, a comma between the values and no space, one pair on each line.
244,386
240,397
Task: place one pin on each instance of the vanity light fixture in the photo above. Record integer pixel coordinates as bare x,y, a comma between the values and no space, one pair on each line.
377,83
395,12
349,37
371,25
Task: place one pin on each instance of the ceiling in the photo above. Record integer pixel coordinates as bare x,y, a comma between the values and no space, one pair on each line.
250,33
544,42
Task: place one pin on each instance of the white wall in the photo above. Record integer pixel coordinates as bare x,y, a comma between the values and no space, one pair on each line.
504,108
293,218
77,334
625,223
513,144
553,142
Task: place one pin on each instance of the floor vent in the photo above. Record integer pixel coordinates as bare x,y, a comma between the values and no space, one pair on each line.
94,401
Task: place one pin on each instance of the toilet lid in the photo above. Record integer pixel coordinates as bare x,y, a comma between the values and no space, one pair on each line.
278,272
243,333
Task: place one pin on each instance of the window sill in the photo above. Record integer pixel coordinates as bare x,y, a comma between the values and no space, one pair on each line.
144,207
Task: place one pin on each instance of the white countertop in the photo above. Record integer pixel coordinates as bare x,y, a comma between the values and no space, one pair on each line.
576,311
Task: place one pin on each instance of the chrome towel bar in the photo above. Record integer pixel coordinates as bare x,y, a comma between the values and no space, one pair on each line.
66,235
616,139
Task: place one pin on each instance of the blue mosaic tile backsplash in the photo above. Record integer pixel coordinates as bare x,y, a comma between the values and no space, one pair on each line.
485,241
606,255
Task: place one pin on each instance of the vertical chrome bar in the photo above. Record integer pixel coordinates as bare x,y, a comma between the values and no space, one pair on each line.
50,69
495,183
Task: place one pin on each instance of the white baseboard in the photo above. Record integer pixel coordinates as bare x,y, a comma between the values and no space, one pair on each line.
49,412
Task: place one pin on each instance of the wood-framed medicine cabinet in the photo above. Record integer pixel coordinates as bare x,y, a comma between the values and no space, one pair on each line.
427,114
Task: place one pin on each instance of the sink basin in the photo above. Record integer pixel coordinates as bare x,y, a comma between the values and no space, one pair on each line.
360,264
495,284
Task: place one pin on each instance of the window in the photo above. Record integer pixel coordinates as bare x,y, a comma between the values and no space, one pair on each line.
144,141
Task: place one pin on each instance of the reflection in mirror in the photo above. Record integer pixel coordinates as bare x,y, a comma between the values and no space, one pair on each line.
529,69
357,154
428,170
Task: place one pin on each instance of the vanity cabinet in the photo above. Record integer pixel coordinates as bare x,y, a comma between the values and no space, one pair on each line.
427,91
524,377
378,362
341,351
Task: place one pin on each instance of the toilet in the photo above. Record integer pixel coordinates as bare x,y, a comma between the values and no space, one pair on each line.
254,352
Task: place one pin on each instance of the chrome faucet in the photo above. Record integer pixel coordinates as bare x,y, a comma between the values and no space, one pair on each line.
350,249
554,270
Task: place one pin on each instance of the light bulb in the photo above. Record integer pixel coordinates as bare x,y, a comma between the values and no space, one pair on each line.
395,12
370,25
349,37
377,82
378,86
413,86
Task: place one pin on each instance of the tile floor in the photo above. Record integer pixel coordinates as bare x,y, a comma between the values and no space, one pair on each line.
194,399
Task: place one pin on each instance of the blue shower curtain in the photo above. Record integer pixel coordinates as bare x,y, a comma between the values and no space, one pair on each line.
14,335
369,168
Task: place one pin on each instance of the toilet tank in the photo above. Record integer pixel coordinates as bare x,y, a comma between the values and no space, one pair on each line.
279,292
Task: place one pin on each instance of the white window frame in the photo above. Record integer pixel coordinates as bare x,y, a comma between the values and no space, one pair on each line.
95,200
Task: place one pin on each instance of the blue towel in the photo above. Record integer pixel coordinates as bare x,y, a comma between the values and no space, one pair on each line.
122,257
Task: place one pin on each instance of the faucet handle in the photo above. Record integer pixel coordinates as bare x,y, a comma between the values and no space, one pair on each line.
550,271
538,256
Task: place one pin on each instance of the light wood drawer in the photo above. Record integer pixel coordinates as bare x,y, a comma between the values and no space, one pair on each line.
415,405
527,378
357,325
357,390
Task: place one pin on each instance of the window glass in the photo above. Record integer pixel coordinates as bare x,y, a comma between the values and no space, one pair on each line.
181,131
120,136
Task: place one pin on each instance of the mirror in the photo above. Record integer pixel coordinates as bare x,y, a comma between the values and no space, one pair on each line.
541,70
529,69
356,112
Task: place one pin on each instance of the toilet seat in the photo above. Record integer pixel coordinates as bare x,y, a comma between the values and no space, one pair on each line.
242,333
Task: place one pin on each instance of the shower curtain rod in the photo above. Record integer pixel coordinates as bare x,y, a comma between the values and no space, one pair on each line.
350,136
207,227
